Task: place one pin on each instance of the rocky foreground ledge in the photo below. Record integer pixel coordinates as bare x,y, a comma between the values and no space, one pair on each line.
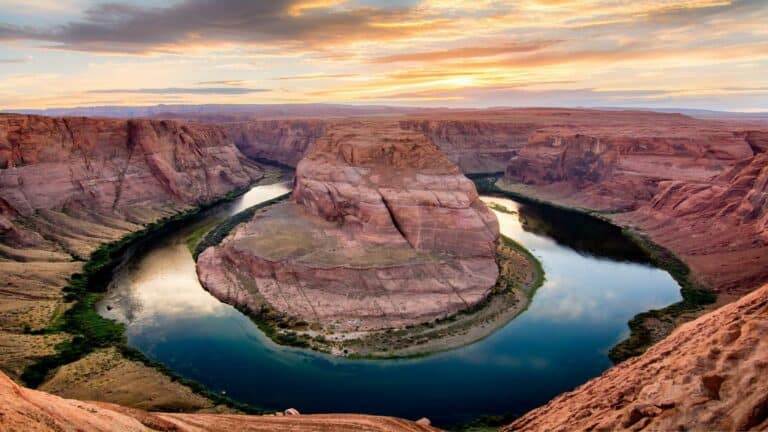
382,232
25,410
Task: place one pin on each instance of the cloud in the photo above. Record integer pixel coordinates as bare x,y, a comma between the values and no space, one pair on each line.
316,76
183,90
122,27
17,60
235,83
465,52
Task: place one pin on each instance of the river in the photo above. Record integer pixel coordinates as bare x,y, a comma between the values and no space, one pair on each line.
596,280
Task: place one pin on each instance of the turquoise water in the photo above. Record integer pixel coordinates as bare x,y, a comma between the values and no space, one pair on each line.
596,280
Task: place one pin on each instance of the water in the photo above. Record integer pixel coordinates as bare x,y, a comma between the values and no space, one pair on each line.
596,281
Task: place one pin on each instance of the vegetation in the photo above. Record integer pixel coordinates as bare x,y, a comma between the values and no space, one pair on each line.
485,423
216,235
271,322
500,208
695,297
195,236
89,330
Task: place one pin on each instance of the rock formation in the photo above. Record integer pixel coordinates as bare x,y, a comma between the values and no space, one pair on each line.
710,374
69,185
283,141
477,146
383,231
23,410
696,187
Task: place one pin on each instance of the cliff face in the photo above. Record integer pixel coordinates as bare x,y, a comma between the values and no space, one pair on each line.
114,166
68,185
383,231
389,181
719,227
710,374
477,146
613,170
696,187
283,141
699,189
29,410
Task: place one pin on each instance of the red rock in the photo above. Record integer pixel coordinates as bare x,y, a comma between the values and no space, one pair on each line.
283,141
115,166
383,232
23,410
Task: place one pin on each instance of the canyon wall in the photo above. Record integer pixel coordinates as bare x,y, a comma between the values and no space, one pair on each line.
69,185
477,146
697,188
701,190
283,141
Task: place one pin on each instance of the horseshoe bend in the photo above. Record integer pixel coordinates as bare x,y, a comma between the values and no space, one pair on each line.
384,248
367,215
381,232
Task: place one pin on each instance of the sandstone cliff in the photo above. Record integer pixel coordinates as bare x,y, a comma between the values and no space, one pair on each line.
697,188
283,141
383,231
69,185
477,146
24,410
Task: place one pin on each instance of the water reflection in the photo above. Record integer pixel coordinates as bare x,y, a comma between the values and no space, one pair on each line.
160,282
577,275
558,343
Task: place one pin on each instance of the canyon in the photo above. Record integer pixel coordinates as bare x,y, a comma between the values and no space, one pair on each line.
697,187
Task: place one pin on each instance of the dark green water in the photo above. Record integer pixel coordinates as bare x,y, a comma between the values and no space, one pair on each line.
596,281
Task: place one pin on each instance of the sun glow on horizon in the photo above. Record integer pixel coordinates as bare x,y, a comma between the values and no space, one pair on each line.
695,53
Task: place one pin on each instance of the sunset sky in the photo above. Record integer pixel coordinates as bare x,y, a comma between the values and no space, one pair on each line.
710,54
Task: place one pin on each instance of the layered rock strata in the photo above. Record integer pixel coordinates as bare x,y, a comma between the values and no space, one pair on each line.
382,231
69,185
699,192
283,141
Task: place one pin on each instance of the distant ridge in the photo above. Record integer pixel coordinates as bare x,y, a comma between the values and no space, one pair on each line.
262,110
229,112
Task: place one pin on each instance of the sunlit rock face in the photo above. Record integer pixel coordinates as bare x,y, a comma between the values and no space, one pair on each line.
23,409
114,166
388,185
382,231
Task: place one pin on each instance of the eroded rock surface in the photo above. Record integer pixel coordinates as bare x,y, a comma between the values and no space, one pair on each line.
382,231
24,410
283,141
695,187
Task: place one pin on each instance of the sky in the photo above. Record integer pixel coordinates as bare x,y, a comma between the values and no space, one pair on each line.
707,54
